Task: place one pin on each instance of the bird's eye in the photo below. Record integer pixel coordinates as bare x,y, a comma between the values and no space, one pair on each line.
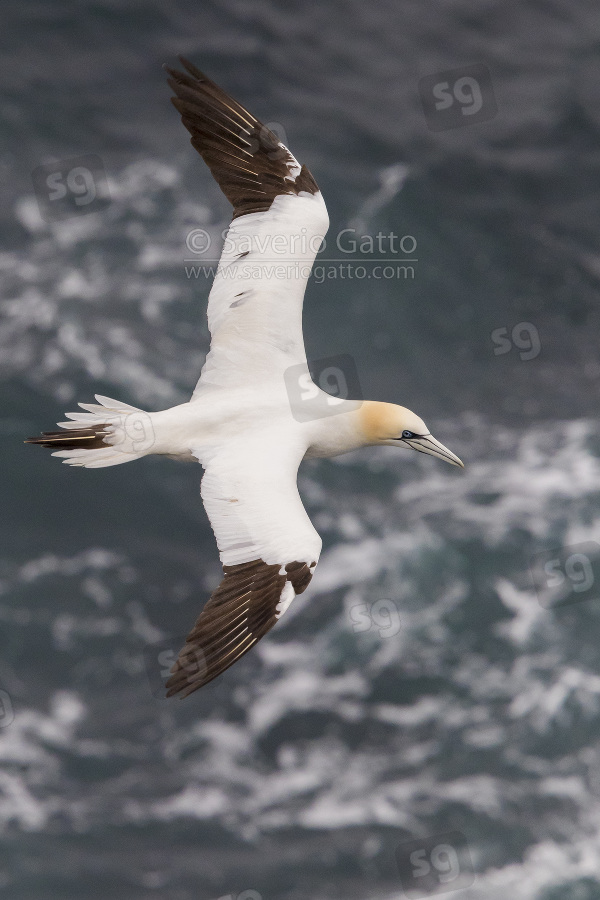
408,434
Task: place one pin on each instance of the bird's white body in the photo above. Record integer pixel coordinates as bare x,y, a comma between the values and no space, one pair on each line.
197,427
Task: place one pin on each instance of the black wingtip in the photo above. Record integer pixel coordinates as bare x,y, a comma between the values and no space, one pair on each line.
191,68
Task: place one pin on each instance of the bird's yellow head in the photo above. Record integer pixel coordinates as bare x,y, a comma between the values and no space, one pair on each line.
395,426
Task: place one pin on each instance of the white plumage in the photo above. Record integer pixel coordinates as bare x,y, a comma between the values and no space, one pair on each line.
255,321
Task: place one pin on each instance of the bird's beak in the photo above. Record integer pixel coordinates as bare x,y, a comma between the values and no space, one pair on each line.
428,444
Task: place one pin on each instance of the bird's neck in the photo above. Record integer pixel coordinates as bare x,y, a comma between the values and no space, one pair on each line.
337,433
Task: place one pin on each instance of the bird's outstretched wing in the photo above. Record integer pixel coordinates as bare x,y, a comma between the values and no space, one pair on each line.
241,611
247,160
269,551
279,221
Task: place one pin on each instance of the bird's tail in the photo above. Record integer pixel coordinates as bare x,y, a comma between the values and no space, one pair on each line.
108,434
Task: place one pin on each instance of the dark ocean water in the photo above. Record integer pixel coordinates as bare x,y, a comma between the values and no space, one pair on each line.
428,683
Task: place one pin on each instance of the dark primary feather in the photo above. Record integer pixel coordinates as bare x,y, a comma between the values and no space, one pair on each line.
73,438
244,156
237,615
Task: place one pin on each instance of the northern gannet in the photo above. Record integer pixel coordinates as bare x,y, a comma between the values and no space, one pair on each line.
240,422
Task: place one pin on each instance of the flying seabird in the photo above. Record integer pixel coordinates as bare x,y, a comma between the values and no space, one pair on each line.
243,423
